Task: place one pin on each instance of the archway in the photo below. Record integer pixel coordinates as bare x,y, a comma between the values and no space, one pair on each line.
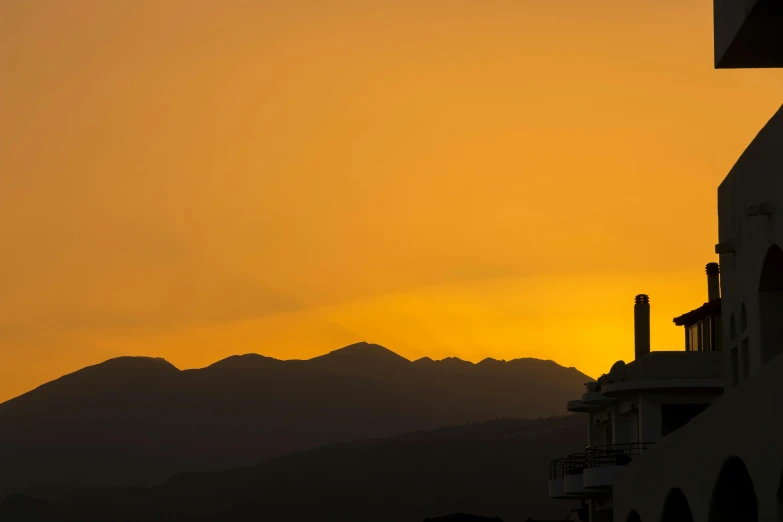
771,304
633,516
676,507
733,496
743,318
732,329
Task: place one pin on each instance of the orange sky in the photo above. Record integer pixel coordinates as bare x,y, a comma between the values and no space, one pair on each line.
192,179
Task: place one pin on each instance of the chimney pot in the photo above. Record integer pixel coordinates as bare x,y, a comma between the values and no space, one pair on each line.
713,281
641,320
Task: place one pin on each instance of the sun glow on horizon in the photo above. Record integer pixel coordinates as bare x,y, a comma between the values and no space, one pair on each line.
192,180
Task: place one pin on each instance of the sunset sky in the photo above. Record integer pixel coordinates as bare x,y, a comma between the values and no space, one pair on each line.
192,179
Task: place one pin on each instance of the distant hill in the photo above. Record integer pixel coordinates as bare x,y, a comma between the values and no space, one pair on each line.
497,468
137,421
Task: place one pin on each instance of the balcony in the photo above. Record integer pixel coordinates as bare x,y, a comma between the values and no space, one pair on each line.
557,479
601,462
572,477
565,477
699,372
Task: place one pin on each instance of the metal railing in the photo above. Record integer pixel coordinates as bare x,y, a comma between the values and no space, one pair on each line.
572,464
614,454
575,464
557,469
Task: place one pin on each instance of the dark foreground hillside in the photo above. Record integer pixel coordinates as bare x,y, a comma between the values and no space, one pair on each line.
496,468
136,421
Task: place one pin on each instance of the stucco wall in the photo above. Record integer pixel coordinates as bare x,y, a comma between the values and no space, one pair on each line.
675,365
746,422
756,178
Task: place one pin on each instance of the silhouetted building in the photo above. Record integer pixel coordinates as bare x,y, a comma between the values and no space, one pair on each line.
748,33
703,328
725,463
636,404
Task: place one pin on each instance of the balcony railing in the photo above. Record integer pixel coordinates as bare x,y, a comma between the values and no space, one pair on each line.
614,454
557,469
572,464
575,464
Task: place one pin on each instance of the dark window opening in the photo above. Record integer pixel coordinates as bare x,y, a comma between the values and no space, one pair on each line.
734,369
733,496
732,328
771,305
717,327
694,337
703,335
745,359
675,416
676,507
743,318
706,337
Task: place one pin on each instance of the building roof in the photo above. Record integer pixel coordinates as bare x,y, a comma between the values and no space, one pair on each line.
664,365
709,309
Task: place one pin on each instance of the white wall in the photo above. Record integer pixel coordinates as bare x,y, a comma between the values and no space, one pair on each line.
746,422
756,178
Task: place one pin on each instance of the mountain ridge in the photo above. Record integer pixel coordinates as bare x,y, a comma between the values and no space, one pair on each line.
136,420
132,362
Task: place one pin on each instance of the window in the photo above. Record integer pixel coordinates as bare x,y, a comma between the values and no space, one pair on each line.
745,359
743,319
706,338
717,325
770,307
732,328
703,335
734,369
694,337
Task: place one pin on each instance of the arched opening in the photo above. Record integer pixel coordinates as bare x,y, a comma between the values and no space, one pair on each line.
733,496
743,318
732,328
633,516
771,304
676,507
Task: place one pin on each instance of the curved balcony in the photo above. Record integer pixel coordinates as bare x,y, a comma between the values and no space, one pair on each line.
601,462
557,479
597,400
565,477
572,478
577,406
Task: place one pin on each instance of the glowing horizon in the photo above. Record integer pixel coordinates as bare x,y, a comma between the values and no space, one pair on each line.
200,179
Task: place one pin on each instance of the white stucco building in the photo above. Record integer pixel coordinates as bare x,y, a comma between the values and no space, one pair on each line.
652,455
635,405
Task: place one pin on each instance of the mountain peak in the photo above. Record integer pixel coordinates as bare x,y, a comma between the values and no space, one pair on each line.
129,362
455,361
246,361
362,351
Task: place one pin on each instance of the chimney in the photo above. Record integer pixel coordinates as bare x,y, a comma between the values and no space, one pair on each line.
713,281
641,325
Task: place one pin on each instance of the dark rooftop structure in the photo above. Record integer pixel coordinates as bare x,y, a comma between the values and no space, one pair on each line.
748,34
703,325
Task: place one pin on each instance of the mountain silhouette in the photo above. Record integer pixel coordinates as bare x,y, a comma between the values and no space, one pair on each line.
136,421
493,469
